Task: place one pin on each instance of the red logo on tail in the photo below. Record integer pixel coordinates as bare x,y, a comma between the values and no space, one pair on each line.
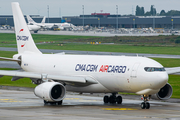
22,45
21,30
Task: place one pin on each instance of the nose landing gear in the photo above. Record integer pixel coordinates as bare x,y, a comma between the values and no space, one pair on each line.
113,99
145,104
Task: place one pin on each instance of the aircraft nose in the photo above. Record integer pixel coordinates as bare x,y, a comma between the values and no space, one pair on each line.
161,80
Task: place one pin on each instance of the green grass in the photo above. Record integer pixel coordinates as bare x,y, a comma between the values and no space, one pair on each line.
114,48
137,44
174,81
8,54
24,82
168,62
9,38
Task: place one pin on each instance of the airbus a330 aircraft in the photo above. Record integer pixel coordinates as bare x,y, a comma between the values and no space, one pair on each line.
62,26
55,74
34,27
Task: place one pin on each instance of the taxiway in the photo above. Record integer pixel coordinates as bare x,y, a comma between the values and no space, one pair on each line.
22,105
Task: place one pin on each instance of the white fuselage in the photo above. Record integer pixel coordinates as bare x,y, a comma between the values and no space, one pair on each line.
34,27
113,73
60,25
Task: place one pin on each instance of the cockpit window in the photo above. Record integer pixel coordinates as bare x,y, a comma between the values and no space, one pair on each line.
152,69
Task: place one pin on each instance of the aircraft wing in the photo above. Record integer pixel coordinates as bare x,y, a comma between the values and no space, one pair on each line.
173,70
60,78
10,59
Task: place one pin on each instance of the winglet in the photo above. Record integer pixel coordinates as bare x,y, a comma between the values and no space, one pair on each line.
24,39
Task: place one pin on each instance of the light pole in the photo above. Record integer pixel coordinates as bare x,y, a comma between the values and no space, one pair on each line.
99,22
117,17
0,20
48,12
172,23
134,23
83,15
153,19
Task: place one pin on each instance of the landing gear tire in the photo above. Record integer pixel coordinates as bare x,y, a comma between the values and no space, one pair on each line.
53,103
45,102
36,31
112,99
60,102
145,105
106,99
39,81
119,99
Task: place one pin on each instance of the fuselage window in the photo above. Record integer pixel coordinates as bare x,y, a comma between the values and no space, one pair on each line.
152,69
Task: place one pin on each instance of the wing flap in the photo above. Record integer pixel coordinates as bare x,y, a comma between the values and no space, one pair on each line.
20,74
67,78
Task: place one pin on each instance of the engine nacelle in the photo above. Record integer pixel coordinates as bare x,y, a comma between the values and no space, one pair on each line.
50,91
164,93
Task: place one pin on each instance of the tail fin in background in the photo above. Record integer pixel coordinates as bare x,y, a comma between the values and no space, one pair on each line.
43,20
25,42
30,20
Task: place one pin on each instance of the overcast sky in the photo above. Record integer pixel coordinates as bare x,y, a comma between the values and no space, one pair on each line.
74,7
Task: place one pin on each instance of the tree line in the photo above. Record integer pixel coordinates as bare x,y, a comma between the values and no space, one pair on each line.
140,12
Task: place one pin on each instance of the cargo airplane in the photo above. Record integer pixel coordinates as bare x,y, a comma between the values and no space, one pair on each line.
55,74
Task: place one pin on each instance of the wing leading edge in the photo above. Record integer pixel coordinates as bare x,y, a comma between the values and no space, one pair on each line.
10,59
173,70
44,77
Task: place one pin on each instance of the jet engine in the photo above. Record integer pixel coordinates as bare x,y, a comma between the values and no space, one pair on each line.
50,91
164,93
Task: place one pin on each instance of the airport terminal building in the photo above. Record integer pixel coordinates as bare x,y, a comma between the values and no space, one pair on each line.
107,20
8,19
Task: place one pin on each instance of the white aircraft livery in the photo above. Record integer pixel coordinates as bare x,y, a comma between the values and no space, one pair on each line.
33,26
55,74
62,26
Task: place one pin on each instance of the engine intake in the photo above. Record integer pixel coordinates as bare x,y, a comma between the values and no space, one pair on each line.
164,93
50,91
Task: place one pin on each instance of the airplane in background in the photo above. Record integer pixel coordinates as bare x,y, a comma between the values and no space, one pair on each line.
34,27
55,74
62,26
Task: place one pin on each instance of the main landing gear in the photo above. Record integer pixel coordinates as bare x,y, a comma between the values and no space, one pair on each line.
53,103
145,104
113,99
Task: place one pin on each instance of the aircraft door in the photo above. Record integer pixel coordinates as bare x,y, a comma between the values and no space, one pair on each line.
134,70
